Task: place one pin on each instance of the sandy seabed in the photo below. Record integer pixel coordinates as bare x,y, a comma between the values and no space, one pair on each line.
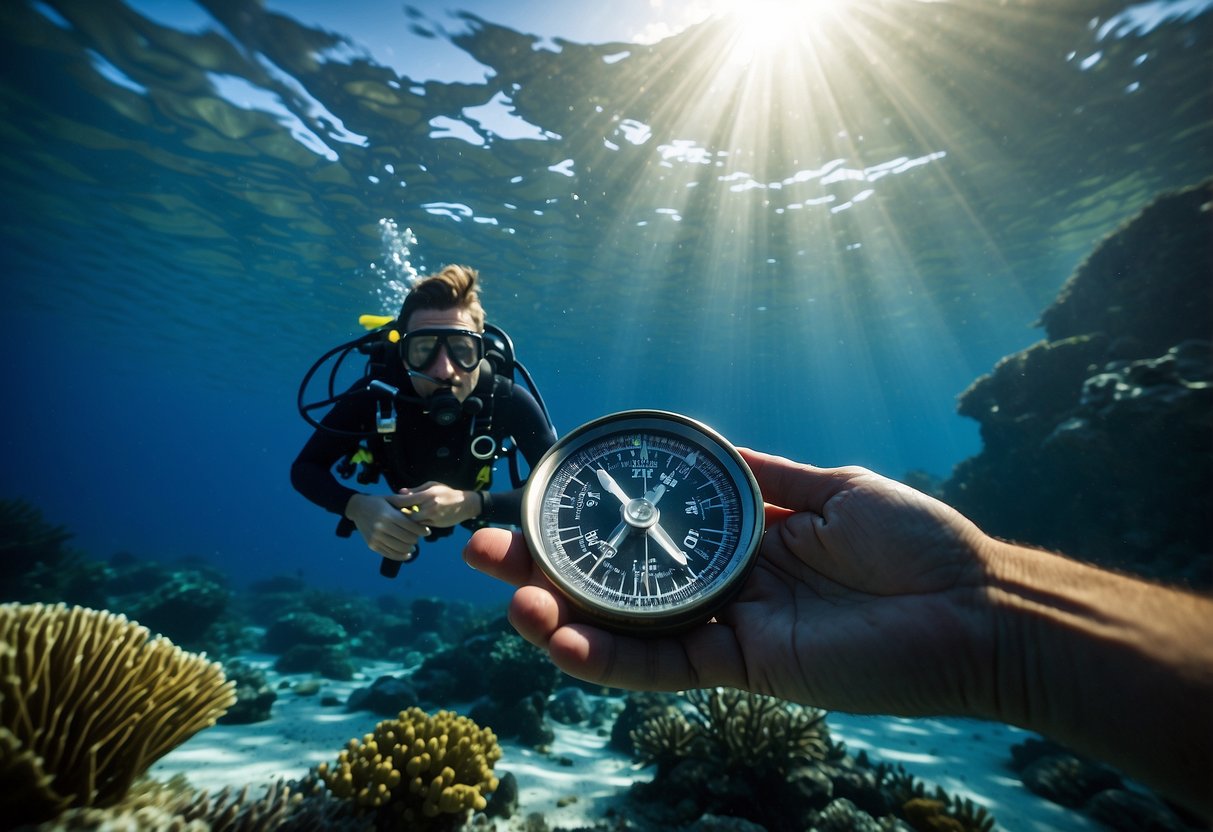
579,778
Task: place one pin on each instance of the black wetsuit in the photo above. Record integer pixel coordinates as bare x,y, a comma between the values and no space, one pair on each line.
421,450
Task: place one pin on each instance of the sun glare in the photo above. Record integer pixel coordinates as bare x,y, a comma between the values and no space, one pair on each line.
767,26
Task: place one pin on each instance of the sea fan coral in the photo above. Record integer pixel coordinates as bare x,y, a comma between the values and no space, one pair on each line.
427,769
87,702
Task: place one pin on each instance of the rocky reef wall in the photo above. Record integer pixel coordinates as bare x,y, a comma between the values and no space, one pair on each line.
1098,440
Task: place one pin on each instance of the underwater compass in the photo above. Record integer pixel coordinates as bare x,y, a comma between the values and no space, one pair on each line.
647,521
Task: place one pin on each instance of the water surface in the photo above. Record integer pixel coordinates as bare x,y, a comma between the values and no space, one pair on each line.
813,247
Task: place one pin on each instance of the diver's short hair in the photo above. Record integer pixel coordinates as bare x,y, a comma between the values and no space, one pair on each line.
452,288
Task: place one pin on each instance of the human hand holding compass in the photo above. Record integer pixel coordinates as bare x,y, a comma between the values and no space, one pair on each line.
871,597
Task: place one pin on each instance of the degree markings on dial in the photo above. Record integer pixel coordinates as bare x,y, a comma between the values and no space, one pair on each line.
563,541
601,571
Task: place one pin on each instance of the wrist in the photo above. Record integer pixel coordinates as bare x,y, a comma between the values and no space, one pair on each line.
1061,618
1085,652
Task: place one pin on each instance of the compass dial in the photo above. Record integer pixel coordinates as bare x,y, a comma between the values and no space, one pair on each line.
646,520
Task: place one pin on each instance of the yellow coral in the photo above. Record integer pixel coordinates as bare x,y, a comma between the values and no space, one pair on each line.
418,765
88,702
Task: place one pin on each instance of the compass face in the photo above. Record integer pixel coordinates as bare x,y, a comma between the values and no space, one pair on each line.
647,521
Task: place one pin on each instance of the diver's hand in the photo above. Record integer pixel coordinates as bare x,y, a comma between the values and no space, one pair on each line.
439,505
865,594
384,526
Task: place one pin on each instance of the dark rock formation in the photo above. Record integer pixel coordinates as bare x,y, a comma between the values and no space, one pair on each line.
386,696
1098,441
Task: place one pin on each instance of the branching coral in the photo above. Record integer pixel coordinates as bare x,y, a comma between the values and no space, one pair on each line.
742,730
665,739
931,812
418,766
88,702
754,730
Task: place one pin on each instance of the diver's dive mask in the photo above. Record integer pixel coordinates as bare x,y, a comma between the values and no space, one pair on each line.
419,348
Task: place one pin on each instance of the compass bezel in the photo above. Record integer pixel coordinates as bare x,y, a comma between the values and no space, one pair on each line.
649,620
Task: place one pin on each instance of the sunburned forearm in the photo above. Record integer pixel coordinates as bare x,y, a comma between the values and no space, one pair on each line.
1112,666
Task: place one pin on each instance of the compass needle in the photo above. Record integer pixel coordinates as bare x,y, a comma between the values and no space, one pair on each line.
667,543
653,495
612,487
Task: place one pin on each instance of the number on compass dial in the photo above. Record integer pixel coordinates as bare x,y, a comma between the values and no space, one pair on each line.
645,522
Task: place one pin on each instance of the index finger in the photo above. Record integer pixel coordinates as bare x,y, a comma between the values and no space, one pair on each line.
795,486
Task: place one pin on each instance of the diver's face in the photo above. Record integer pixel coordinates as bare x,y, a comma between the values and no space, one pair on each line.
462,382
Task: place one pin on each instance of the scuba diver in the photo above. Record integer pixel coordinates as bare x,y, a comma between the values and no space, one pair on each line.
435,409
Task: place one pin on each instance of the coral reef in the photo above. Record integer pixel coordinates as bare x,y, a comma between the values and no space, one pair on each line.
310,643
385,696
734,755
88,702
254,696
935,811
303,628
26,540
183,607
498,664
755,731
639,708
420,770
1122,383
36,566
329,660
175,805
510,679
743,730
1057,774
665,739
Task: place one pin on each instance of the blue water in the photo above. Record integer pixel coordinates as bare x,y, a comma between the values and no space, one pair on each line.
814,256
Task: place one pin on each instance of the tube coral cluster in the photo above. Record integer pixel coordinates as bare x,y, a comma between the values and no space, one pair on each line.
418,765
